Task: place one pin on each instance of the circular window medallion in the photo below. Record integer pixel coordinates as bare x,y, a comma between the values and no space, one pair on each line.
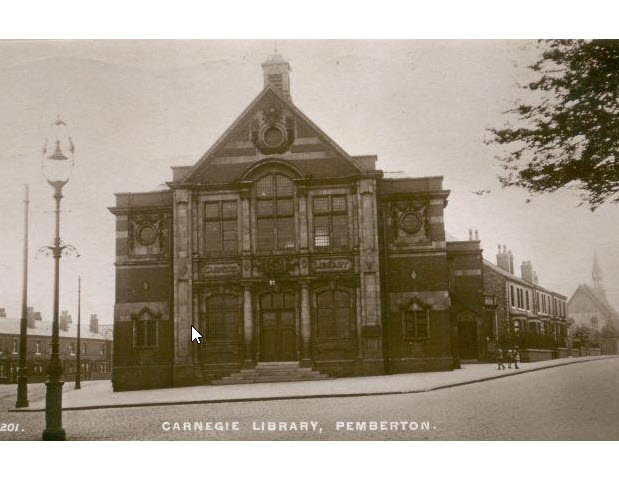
410,222
147,235
273,136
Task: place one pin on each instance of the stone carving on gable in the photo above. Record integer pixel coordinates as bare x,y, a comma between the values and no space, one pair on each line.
410,222
149,234
271,130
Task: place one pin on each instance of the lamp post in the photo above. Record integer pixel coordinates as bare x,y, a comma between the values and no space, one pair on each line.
78,358
57,169
22,375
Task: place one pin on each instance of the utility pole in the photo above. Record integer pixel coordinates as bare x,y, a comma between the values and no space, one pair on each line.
79,348
22,375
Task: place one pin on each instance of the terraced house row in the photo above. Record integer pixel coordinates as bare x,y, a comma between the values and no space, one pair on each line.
290,255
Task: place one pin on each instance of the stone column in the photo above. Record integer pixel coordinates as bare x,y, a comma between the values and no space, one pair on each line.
248,326
306,326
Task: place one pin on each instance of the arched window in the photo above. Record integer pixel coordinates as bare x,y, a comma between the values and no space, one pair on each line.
223,316
275,213
145,330
334,314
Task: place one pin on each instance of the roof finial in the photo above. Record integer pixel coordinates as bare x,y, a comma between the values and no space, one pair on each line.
275,47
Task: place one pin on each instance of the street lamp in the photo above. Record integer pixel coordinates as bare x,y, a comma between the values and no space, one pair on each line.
57,165
22,375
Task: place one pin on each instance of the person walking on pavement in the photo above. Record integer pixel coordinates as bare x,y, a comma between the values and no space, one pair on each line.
509,356
499,358
516,358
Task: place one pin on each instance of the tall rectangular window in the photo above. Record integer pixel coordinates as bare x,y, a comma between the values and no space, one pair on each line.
275,214
512,296
220,228
527,297
331,222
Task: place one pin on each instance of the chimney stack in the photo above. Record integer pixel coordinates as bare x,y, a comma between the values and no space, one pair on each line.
526,270
470,234
511,262
2,312
476,234
30,317
94,323
64,320
502,258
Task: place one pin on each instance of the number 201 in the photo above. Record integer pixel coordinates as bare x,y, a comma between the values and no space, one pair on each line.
9,427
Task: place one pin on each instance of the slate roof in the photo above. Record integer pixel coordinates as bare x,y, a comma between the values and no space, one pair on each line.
516,279
599,298
11,326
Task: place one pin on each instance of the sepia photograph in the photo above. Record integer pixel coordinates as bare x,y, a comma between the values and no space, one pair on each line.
286,239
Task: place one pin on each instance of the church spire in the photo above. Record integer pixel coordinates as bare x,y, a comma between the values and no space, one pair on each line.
596,272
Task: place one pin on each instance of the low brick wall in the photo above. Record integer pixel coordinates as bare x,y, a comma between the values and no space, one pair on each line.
563,352
595,351
535,355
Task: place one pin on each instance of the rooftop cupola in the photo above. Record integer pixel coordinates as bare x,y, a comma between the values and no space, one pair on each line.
276,71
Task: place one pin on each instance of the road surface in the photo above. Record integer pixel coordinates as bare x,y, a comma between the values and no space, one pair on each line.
572,402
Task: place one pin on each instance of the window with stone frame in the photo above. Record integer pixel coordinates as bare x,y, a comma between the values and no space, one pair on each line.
145,330
220,228
275,229
527,297
222,318
416,324
334,314
330,215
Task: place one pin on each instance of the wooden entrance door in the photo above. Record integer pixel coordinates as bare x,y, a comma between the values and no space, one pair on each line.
278,332
467,340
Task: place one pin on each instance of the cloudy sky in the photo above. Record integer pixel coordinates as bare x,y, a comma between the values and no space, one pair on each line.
138,107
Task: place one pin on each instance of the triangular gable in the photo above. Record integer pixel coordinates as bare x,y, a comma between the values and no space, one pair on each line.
232,152
601,302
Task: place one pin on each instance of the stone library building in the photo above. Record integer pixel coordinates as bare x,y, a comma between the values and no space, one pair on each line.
292,258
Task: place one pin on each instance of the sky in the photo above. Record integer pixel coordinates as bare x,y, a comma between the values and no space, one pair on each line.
136,108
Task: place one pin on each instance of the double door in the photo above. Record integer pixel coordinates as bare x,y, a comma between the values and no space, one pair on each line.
278,328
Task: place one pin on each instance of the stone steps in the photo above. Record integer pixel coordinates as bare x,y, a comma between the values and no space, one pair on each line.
272,372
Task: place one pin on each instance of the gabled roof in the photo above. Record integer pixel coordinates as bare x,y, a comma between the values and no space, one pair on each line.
245,116
11,326
598,298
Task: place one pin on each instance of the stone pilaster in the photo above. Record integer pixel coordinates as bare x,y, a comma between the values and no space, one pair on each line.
248,326
371,328
306,326
183,298
302,216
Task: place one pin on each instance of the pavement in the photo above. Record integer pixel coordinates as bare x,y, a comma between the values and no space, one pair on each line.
99,394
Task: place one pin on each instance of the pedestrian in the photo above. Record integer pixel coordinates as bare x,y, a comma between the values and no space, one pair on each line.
499,358
509,356
516,357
